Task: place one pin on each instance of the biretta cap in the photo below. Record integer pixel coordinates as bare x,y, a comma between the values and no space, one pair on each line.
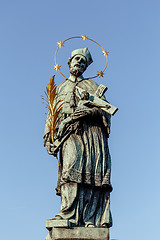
84,52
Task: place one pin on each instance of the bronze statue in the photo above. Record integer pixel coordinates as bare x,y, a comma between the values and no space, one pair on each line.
81,137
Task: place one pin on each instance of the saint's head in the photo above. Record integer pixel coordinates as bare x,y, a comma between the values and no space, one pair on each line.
78,62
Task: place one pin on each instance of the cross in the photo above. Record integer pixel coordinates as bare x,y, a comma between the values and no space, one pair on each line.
96,99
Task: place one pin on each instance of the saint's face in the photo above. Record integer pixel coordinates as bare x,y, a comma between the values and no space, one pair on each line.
78,65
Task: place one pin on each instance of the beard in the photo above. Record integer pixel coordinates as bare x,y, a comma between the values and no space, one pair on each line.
76,70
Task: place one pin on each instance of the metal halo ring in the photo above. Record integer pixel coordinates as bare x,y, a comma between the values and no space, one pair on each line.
61,44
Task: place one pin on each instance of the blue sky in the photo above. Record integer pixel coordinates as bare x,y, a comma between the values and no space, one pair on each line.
29,32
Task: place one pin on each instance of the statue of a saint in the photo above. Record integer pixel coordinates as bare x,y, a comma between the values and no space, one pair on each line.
85,163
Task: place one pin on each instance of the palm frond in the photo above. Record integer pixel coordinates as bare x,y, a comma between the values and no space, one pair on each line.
53,108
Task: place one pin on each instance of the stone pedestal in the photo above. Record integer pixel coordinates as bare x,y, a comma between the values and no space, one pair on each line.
63,230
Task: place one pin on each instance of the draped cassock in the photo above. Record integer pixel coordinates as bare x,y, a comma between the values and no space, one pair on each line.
85,162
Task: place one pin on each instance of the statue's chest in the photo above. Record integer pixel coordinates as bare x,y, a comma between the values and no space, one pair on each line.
69,98
68,95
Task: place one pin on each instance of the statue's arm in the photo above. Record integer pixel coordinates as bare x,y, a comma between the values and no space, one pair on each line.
106,117
79,114
47,141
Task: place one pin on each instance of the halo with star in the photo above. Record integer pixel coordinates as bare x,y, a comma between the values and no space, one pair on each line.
60,44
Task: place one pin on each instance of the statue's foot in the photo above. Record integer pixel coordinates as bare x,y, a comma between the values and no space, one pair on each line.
90,225
73,221
57,217
105,225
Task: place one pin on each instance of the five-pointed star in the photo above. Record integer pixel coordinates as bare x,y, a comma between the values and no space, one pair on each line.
84,37
100,74
57,67
104,52
60,44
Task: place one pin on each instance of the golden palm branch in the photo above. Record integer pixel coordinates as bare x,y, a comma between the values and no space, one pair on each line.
53,107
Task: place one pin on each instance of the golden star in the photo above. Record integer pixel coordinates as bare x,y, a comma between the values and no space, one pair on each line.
104,52
60,44
57,67
84,37
100,74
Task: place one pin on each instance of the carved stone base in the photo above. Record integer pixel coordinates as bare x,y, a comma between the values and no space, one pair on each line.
57,224
74,233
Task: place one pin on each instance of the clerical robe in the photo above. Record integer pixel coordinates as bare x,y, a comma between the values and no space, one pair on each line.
84,175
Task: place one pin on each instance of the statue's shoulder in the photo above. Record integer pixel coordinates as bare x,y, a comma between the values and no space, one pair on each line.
90,82
62,86
88,85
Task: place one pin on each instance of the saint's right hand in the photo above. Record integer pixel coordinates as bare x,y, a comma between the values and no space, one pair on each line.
50,148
